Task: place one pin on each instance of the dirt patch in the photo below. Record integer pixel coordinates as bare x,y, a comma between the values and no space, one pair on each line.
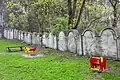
33,56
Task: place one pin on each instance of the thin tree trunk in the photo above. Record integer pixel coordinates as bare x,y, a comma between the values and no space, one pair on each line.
80,13
73,10
115,18
69,11
114,5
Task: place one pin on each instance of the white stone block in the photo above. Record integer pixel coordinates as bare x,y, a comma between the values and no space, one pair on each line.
51,40
89,42
108,44
62,45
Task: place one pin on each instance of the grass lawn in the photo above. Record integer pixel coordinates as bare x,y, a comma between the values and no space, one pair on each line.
56,66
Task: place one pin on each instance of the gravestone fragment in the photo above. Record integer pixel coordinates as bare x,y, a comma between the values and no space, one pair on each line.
72,41
89,43
45,40
11,34
51,40
62,44
55,42
108,44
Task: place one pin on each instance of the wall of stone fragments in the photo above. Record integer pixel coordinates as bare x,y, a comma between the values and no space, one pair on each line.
105,43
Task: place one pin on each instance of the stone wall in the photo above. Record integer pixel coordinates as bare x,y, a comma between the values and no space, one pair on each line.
108,43
89,42
105,43
62,41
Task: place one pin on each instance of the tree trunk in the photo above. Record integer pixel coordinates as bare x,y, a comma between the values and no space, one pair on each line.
80,13
73,10
70,12
115,18
114,5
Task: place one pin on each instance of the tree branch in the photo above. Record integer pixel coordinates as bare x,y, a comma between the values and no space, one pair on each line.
111,3
92,21
116,1
114,4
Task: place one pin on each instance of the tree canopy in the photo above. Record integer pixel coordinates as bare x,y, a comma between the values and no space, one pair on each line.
56,15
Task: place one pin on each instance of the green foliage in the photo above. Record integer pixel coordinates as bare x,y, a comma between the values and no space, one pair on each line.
60,24
95,14
6,43
41,15
35,15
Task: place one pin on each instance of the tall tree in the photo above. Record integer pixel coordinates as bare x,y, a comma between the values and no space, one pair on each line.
114,4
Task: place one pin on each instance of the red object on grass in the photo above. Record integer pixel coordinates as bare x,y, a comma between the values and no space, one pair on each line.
97,63
32,49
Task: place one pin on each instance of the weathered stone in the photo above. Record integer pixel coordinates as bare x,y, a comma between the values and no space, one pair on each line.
55,42
19,33
62,44
29,38
118,45
72,41
11,34
8,37
97,47
45,40
22,35
5,33
108,44
25,37
51,40
89,43
15,34
38,39
0,35
103,45
79,48
34,38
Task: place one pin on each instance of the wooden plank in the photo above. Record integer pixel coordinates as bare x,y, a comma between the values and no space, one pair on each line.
15,48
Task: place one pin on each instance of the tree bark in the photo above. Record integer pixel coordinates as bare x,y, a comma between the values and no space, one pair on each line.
80,13
115,18
69,11
114,5
74,8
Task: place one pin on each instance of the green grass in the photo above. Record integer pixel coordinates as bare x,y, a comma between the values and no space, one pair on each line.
56,66
7,43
